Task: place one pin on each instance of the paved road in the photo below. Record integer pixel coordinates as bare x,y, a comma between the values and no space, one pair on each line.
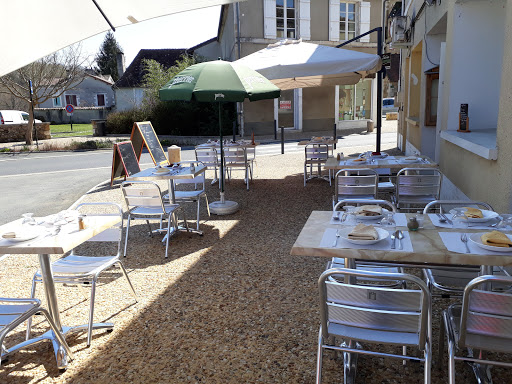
46,183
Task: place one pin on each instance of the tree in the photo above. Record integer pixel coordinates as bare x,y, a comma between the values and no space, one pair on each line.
51,76
156,76
106,59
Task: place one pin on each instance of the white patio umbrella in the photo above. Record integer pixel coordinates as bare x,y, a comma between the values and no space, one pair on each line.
294,64
40,27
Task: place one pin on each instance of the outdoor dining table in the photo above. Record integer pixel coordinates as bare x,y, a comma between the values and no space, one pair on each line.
423,248
175,173
394,163
44,245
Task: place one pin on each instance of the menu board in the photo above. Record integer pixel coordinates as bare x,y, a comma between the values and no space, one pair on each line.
124,161
144,134
463,118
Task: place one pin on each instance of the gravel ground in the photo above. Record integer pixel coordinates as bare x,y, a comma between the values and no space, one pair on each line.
231,306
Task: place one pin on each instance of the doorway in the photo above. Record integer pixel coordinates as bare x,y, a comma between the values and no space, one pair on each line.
286,109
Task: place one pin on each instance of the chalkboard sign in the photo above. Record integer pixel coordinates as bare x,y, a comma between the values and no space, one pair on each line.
463,118
124,161
144,134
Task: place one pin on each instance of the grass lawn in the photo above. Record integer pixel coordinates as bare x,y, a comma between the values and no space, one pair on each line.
64,130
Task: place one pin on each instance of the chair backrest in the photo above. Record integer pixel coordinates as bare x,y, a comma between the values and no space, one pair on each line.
418,182
487,315
344,202
374,308
112,234
316,152
146,194
356,182
455,203
251,153
235,156
200,179
208,156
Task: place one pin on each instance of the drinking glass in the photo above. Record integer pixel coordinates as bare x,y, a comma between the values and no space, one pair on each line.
505,222
388,223
28,219
459,219
351,214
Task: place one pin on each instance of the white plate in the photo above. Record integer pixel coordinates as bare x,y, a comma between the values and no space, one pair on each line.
383,234
488,215
384,211
357,161
22,236
162,172
475,239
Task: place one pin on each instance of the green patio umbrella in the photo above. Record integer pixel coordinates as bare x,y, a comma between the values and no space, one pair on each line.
219,81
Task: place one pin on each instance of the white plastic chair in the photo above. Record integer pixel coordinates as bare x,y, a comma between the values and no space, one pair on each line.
235,158
355,184
483,323
416,186
315,155
13,313
191,196
210,158
84,271
373,315
144,201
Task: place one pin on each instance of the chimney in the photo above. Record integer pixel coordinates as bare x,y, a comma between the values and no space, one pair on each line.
120,64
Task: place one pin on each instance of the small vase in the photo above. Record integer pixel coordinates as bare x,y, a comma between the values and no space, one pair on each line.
413,224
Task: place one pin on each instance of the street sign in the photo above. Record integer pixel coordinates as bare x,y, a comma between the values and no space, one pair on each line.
386,60
69,108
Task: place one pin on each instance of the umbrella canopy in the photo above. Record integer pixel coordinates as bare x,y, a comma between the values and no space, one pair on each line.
294,64
79,19
218,81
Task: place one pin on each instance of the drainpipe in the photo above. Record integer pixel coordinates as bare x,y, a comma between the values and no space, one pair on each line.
240,106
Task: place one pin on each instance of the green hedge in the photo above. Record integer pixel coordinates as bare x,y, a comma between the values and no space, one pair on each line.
178,118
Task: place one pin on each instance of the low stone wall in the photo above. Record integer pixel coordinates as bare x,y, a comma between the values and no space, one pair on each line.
16,132
80,115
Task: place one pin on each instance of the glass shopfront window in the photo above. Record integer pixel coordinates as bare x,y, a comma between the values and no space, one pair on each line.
355,101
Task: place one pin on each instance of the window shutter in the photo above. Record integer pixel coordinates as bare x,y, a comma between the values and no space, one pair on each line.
269,17
364,20
77,100
334,20
304,19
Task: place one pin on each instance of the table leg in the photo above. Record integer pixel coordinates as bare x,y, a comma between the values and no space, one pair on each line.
172,199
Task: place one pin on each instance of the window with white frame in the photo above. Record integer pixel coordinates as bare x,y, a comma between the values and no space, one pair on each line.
285,19
101,100
347,20
72,99
57,102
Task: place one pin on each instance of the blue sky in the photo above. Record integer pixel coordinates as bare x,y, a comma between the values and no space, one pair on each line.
182,30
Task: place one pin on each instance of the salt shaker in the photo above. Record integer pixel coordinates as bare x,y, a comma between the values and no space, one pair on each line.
413,224
81,224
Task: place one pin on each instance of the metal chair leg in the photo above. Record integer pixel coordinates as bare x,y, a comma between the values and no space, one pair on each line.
126,237
91,311
29,321
123,270
319,358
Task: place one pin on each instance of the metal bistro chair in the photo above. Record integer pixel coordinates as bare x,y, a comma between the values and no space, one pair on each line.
144,201
84,271
355,184
315,156
191,196
373,315
210,158
251,158
451,281
13,313
416,186
483,323
235,158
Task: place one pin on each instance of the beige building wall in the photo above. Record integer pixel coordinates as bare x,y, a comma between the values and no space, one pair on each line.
319,111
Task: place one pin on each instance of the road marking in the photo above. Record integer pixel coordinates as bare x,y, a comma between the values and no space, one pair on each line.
62,171
50,157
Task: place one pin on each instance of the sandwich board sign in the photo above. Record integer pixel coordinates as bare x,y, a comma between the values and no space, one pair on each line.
142,135
124,161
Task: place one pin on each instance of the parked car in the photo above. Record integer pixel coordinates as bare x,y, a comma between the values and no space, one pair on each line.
14,117
388,105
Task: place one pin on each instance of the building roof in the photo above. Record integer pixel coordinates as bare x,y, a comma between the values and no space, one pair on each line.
132,77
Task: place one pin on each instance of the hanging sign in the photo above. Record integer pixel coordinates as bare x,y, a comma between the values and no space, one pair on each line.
463,119
144,134
285,104
124,161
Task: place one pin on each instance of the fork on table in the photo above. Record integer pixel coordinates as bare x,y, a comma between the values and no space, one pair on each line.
464,239
337,237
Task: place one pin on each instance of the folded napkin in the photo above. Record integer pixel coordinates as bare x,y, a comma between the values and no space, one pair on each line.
358,160
369,210
473,213
9,235
363,232
496,239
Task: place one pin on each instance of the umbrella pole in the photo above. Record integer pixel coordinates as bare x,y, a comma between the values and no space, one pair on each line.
222,207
